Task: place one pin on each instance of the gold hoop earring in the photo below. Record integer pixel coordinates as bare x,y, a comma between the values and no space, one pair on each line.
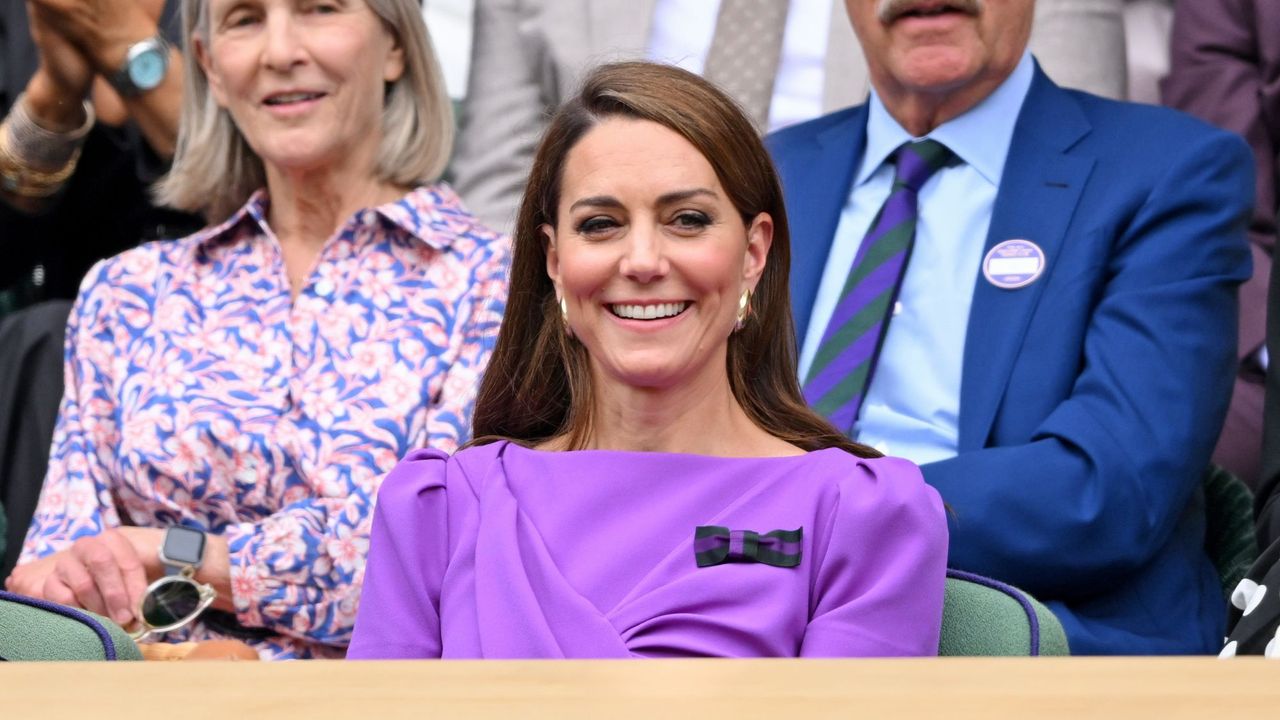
744,309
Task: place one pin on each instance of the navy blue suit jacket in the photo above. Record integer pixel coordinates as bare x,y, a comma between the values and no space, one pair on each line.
1091,399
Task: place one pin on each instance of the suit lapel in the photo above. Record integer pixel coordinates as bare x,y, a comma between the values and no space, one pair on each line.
1039,190
819,176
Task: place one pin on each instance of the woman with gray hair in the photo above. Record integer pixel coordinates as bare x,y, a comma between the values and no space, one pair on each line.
234,398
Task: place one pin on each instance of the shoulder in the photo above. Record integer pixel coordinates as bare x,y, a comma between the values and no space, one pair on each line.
431,469
134,277
889,488
1158,137
782,141
437,214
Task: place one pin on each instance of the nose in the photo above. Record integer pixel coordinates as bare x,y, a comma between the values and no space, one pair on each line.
283,45
645,258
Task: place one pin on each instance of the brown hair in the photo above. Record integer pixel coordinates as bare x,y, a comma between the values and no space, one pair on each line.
537,386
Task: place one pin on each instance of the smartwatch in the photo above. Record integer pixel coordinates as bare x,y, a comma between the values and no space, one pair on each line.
145,65
183,548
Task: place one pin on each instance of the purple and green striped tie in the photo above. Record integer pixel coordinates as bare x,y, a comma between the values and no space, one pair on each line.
841,370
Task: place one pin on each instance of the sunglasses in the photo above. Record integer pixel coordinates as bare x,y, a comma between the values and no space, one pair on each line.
172,602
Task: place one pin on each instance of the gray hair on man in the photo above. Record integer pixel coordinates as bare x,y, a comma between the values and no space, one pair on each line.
214,169
889,10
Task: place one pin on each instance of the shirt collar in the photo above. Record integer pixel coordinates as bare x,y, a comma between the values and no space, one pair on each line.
980,137
431,214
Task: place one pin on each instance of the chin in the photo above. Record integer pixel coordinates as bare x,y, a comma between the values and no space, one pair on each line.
297,156
936,67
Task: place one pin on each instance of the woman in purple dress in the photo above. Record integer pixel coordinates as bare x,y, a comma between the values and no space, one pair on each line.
647,480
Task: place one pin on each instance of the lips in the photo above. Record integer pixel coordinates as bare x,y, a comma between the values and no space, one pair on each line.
928,9
291,97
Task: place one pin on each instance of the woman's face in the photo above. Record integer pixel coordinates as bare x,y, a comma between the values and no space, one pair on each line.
650,255
303,79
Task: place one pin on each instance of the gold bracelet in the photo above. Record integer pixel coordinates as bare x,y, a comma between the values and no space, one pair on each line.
19,179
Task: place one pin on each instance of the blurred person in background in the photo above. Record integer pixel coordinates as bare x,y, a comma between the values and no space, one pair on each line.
783,61
1225,68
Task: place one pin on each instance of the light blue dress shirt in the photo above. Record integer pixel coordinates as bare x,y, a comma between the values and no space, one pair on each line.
912,408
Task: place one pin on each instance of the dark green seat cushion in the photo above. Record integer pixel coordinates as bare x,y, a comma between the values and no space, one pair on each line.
1230,537
981,616
32,629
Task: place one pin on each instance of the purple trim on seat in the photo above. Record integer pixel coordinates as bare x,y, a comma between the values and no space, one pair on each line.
108,645
1011,591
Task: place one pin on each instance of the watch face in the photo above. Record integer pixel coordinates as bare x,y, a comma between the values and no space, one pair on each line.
147,69
183,545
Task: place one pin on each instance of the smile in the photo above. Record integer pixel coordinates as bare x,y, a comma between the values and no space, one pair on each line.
658,311
291,98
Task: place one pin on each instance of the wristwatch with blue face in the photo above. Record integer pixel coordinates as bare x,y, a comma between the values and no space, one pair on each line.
145,66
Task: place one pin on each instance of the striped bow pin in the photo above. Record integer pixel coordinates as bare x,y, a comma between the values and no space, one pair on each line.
714,545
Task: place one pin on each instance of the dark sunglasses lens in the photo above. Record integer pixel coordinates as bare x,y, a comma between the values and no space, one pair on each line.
170,603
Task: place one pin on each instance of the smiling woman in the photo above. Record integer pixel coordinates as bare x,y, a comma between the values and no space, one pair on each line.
647,480
253,382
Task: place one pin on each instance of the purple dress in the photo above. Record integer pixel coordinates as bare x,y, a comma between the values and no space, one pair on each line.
506,552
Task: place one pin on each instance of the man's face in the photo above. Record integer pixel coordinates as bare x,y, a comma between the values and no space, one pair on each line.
941,46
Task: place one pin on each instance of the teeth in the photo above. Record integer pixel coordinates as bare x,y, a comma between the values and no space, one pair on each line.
648,312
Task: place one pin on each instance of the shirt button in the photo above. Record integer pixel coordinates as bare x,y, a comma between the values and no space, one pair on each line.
897,308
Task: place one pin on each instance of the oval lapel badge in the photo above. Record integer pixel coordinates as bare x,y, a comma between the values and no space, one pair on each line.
1013,264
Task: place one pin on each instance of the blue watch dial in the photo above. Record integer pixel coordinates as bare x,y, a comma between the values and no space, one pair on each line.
147,69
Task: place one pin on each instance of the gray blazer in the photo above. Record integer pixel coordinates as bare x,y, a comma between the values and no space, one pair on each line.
529,55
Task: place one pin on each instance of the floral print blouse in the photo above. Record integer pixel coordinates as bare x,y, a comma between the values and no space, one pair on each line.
198,392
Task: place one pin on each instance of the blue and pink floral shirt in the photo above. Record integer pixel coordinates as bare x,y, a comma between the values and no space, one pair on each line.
199,392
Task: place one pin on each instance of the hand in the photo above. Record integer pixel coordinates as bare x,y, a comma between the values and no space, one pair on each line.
102,29
104,573
66,73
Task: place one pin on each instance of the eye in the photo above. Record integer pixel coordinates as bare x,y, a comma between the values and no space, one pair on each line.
596,225
323,8
691,220
239,18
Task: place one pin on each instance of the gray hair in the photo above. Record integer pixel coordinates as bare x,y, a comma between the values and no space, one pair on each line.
214,169
888,10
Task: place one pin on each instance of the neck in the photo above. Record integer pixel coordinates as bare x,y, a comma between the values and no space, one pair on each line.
920,112
700,417
308,207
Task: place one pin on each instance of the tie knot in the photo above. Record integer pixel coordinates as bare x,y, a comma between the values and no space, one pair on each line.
918,161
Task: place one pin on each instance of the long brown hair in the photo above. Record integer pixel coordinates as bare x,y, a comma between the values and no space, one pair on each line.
538,386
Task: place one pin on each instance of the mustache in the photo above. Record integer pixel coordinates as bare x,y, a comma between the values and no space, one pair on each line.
889,10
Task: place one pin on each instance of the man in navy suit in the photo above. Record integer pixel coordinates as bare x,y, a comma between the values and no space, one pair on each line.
1058,350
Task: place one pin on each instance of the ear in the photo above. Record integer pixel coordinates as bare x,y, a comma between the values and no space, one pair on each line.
393,69
553,256
759,240
206,64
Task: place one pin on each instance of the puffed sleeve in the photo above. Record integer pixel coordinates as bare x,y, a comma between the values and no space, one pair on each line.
881,566
399,615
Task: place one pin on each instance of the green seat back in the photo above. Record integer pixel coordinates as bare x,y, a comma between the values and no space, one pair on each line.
981,616
1229,538
32,629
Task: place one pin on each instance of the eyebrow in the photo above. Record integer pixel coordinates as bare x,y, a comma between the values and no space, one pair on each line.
608,201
